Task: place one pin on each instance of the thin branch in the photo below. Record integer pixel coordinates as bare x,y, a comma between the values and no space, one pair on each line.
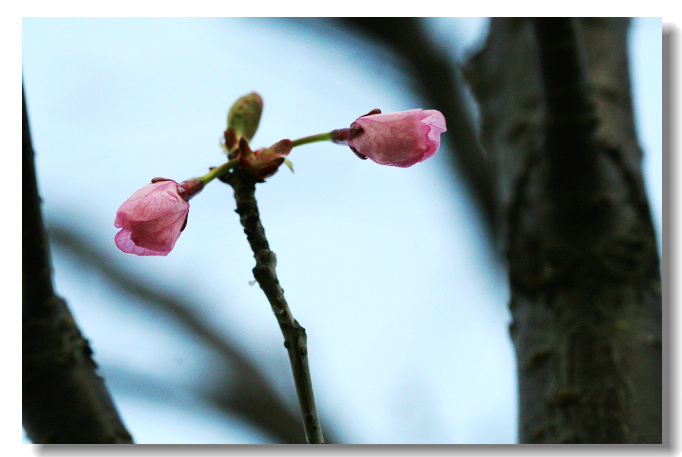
295,339
64,400
252,395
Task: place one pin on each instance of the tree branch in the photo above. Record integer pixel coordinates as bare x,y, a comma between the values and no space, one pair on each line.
252,396
585,285
64,400
570,112
295,339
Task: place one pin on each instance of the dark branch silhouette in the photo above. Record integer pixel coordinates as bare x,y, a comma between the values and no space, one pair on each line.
249,395
64,400
570,113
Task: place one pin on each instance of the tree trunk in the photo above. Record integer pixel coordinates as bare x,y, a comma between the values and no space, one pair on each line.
575,226
64,400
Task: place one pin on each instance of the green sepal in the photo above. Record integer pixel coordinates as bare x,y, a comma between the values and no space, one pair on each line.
288,163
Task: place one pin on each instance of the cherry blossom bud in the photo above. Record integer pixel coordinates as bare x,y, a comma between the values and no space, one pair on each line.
152,219
399,139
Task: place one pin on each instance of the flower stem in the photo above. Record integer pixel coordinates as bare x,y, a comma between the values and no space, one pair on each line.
312,139
218,171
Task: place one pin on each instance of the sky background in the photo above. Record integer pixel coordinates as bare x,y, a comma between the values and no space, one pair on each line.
388,269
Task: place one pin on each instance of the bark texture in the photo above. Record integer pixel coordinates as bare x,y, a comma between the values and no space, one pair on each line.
575,225
64,400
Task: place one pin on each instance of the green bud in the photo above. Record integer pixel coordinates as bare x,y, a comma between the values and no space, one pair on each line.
244,116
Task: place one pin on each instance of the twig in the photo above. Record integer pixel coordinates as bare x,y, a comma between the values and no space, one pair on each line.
250,395
295,339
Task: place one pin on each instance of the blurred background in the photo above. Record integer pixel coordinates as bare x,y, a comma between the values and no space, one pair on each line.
392,272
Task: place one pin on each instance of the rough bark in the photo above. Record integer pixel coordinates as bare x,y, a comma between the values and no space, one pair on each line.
64,400
574,222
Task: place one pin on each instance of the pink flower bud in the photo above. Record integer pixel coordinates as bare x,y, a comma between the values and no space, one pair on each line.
152,219
399,139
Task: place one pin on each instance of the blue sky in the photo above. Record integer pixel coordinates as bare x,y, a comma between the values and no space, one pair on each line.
387,269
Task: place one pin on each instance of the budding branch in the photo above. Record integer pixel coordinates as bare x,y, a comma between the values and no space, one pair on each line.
295,339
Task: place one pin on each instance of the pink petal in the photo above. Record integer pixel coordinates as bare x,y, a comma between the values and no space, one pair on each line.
125,244
151,219
399,139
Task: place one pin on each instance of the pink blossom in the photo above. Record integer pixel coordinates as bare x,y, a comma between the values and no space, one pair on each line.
152,219
400,139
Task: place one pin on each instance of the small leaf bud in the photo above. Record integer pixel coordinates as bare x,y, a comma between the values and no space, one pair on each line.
244,117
